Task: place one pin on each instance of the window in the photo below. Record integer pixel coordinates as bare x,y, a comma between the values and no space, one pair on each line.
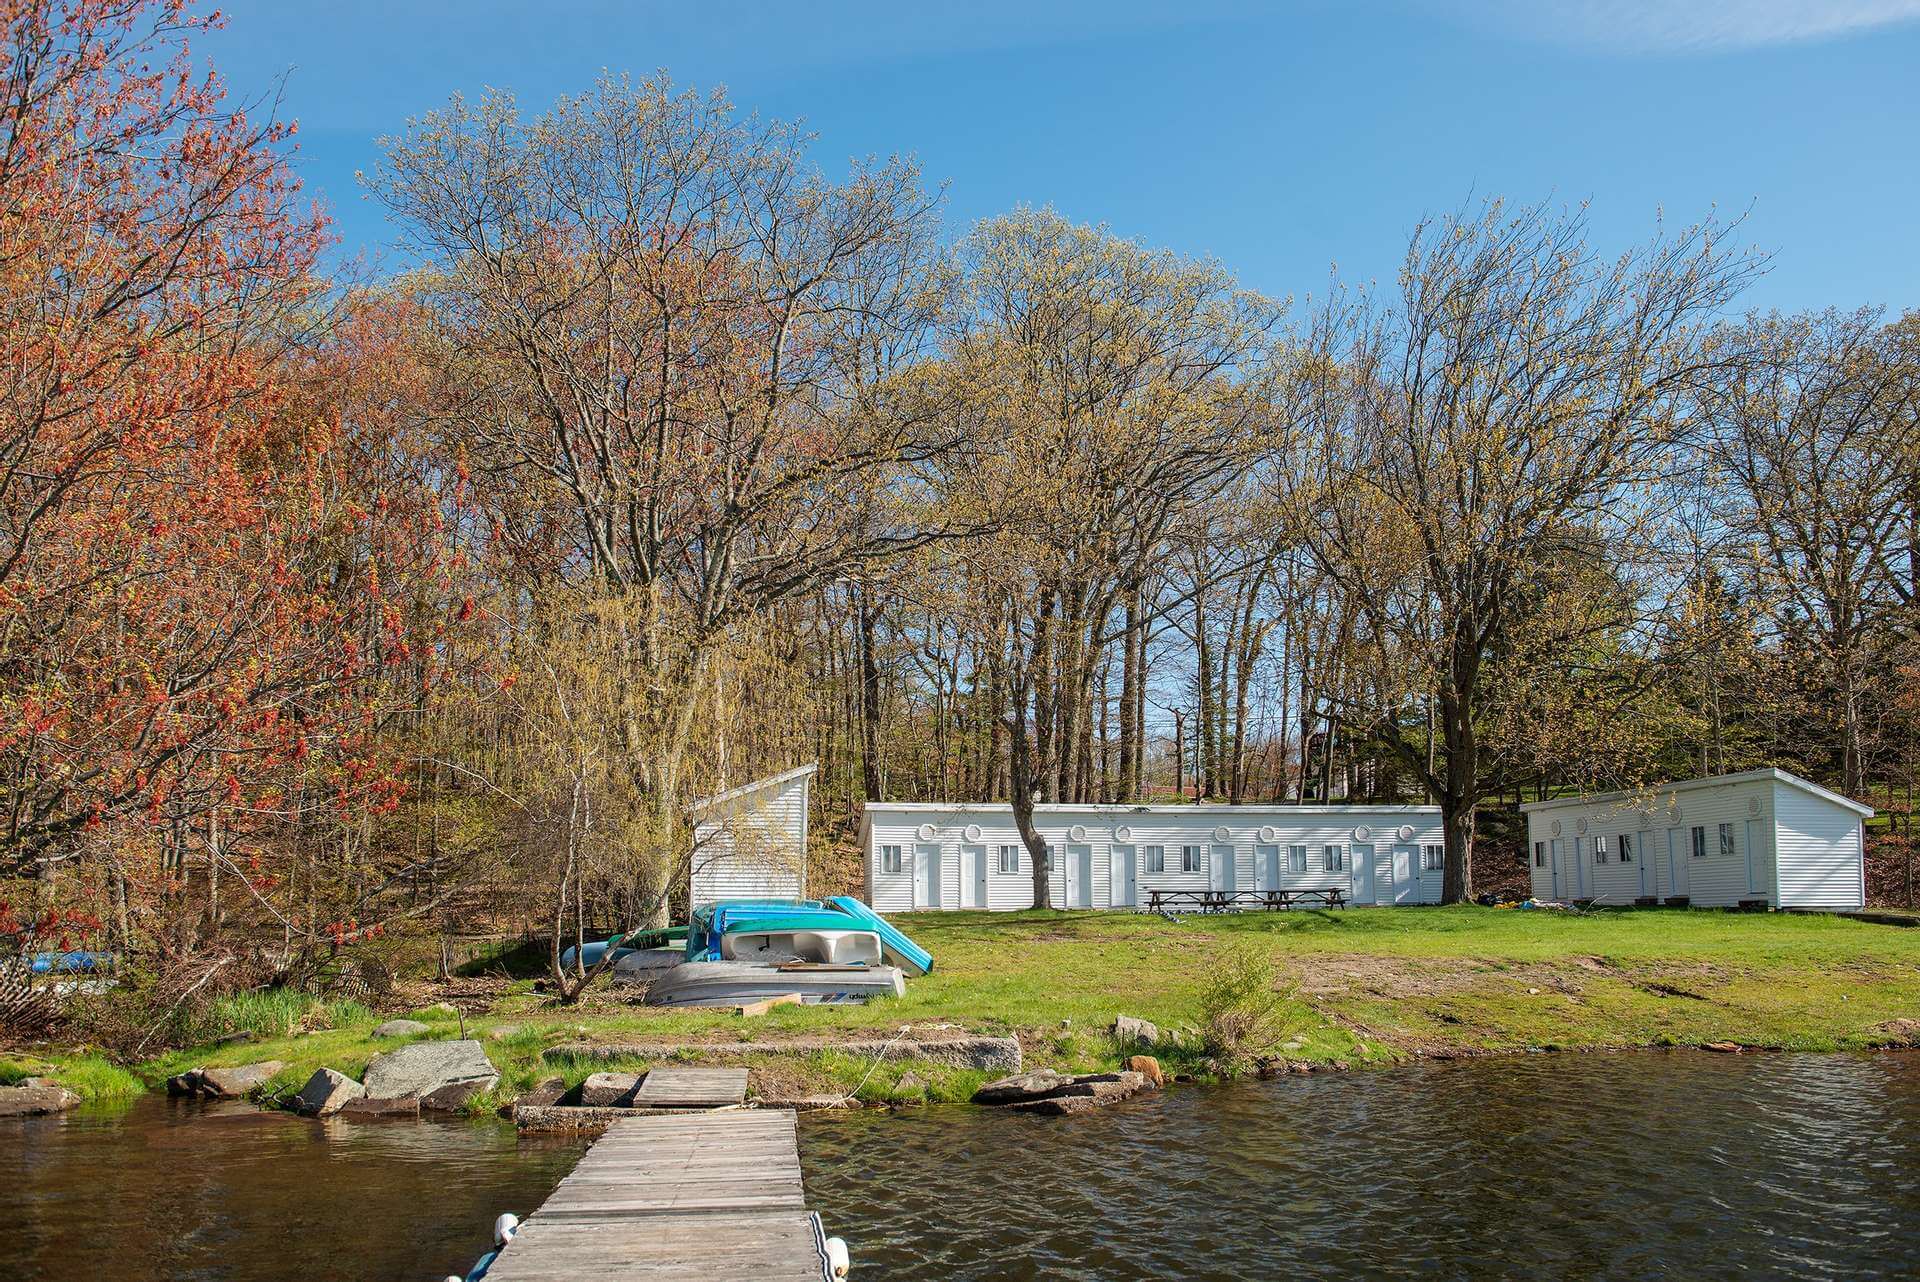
1539,854
1599,850
1433,858
1626,848
1049,856
1156,858
1699,843
1726,840
889,859
1193,859
1009,859
1296,858
1333,858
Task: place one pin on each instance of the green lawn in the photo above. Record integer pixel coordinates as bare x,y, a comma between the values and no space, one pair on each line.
1361,985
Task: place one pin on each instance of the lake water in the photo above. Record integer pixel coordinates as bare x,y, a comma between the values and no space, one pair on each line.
1679,1165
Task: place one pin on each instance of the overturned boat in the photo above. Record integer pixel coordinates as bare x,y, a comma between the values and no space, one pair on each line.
738,983
802,934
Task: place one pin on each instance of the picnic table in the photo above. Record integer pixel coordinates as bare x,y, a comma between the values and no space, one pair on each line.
1230,901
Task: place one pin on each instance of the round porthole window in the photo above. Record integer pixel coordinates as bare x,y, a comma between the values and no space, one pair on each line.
1753,806
1222,834
1555,829
1580,826
1268,834
1362,833
1406,832
928,832
973,832
1123,833
1673,817
1076,833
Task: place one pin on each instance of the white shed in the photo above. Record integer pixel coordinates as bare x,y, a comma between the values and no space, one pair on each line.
924,855
1758,836
750,842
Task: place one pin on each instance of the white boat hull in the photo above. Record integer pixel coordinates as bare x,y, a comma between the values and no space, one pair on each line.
736,983
834,947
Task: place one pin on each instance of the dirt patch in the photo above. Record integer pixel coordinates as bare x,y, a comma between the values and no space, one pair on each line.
1347,974
1900,1032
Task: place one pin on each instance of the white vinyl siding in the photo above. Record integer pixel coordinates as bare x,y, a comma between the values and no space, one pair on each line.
1760,835
1159,837
751,842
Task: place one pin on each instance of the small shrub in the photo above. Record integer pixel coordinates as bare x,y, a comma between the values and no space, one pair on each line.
1242,1015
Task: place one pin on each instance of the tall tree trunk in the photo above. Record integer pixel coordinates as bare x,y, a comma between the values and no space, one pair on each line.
869,696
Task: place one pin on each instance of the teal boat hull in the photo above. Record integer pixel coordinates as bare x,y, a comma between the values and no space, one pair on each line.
894,944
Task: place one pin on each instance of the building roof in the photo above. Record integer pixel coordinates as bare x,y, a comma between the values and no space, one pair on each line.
1210,809
1708,781
758,785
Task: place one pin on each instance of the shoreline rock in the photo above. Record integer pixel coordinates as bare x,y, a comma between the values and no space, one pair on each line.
424,1070
37,1098
1058,1094
223,1083
326,1093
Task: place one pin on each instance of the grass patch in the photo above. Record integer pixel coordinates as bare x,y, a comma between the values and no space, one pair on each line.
1359,985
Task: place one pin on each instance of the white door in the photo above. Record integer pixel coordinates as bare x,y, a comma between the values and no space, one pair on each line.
1753,863
1220,867
1266,868
1361,855
926,858
1405,883
1079,887
1579,867
973,876
1678,874
1557,853
1126,886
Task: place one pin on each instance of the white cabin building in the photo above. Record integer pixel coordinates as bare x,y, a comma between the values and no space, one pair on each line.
750,842
1761,835
924,856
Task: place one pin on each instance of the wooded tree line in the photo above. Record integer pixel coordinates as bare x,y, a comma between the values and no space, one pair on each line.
672,460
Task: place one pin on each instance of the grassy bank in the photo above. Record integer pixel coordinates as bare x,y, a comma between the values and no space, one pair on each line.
1363,985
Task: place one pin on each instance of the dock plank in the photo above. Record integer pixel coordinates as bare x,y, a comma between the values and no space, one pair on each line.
691,1088
717,1195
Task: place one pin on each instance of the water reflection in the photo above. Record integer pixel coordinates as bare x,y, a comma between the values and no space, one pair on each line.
175,1190
1627,1166
1644,1165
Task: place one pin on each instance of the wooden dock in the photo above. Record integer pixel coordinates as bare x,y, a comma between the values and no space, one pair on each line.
709,1195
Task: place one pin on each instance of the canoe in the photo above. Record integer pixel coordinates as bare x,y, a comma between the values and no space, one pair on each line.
734,983
895,947
803,938
705,939
709,921
639,940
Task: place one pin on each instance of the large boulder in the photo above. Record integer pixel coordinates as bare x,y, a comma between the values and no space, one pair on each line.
609,1090
326,1093
223,1083
232,1083
1022,1087
1129,1031
423,1068
35,1100
400,1028
1047,1091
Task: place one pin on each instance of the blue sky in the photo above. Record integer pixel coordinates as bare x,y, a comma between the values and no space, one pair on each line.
1279,138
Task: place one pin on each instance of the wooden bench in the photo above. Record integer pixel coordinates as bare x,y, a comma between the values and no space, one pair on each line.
1230,901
